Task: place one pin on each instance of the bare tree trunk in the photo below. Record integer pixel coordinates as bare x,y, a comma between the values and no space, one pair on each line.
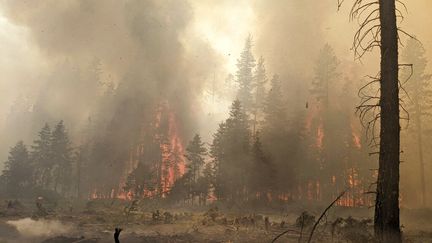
387,224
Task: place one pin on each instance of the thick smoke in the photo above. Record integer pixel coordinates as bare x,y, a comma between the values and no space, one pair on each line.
28,227
147,50
139,46
289,35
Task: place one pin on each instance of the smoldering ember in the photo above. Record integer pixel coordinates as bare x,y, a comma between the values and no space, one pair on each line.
215,121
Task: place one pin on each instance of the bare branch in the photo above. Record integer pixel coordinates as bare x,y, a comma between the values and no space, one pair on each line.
323,213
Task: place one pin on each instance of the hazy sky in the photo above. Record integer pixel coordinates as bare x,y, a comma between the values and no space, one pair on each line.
27,59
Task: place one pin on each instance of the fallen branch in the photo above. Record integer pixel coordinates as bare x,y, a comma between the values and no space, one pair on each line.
281,234
322,215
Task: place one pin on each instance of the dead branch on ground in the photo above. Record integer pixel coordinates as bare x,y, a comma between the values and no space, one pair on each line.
323,213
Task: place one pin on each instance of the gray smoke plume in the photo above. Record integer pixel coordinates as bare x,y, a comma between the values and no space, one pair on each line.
139,46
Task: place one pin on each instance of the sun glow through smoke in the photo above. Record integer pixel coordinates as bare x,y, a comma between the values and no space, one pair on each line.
225,27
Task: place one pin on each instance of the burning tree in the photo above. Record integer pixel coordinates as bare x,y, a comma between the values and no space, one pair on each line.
156,161
141,151
328,136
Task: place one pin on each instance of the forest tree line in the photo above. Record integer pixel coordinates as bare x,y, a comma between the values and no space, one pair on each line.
47,165
263,152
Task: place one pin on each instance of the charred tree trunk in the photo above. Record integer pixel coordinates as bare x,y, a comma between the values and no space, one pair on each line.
386,221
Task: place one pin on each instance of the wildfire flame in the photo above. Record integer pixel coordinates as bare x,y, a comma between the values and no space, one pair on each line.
320,137
355,136
172,165
173,162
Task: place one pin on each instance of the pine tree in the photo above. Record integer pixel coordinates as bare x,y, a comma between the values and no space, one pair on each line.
419,104
207,181
18,172
275,114
180,189
244,75
325,72
262,180
62,157
260,81
276,134
230,152
195,153
217,153
41,156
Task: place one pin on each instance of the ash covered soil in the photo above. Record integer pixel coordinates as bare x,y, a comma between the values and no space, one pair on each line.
150,221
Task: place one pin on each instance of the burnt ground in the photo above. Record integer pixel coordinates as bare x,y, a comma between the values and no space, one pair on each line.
94,221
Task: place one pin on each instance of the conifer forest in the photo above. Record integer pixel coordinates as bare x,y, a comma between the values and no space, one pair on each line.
231,121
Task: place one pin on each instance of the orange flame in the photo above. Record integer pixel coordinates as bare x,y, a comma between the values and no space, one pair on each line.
355,136
320,137
173,163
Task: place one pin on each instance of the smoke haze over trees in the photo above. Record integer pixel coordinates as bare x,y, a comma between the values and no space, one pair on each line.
151,99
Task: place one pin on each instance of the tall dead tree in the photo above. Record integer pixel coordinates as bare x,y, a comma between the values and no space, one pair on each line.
387,225
378,28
